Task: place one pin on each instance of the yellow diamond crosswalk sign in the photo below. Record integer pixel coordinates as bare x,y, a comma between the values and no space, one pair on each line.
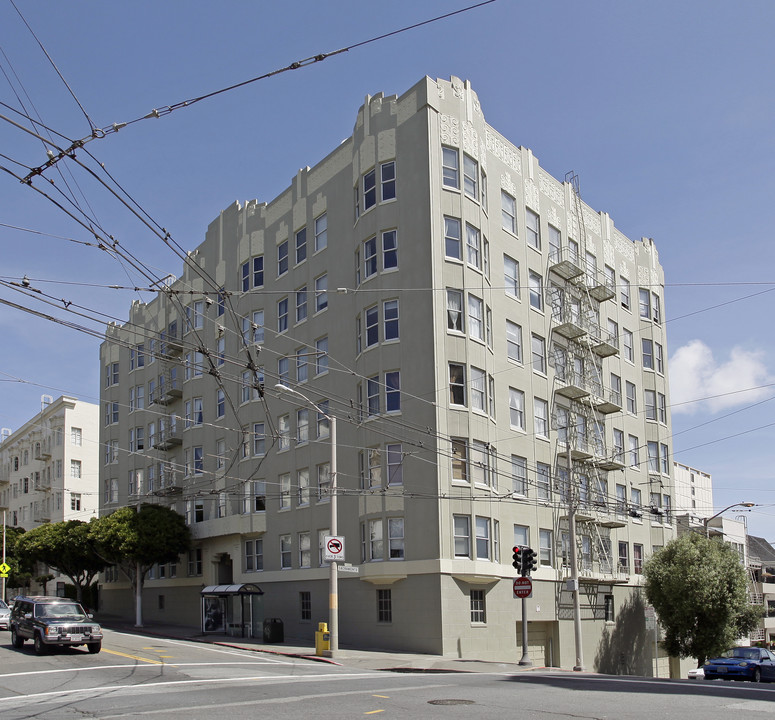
5,568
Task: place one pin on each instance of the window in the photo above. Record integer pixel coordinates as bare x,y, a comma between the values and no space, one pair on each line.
514,341
543,481
395,467
376,544
324,482
538,350
450,165
545,553
301,245
75,469
321,293
616,388
533,227
653,453
517,408
541,418
624,292
282,258
284,432
473,246
372,395
389,250
478,398
632,404
374,470
459,460
508,213
662,408
282,315
304,551
388,180
656,308
301,304
195,561
111,374
618,445
637,559
396,538
644,303
305,600
482,538
518,475
302,426
76,437
535,284
511,276
634,451
111,414
392,391
198,460
369,190
457,384
370,257
285,552
75,501
462,535
651,404
648,354
629,352
390,319
452,245
475,317
301,365
455,311
372,326
624,557
259,440
220,403
384,606
321,232
659,358
555,244
258,326
470,177
321,356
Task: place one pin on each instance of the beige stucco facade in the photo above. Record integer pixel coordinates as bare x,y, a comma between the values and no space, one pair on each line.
494,351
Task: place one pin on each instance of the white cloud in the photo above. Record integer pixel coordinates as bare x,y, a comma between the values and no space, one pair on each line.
696,374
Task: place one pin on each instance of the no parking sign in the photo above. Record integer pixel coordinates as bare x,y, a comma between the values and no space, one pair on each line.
334,548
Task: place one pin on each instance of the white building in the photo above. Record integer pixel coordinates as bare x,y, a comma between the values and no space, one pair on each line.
494,351
49,468
693,492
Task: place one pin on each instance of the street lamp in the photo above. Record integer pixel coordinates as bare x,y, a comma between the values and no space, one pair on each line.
333,577
706,521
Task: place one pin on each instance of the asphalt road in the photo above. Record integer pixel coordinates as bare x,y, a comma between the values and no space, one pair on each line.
136,676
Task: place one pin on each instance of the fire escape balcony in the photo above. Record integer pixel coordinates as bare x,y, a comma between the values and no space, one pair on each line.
571,384
168,437
565,263
598,286
567,321
169,389
602,343
606,401
610,461
575,448
170,480
170,344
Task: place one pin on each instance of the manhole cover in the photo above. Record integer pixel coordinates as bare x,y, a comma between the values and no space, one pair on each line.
450,702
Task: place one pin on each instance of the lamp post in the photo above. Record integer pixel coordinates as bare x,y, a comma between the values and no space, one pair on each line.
706,521
333,576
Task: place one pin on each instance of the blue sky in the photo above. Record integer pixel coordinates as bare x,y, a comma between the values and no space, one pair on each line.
665,110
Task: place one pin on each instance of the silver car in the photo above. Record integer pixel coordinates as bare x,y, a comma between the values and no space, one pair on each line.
5,614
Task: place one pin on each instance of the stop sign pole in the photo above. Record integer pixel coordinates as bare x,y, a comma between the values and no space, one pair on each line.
523,588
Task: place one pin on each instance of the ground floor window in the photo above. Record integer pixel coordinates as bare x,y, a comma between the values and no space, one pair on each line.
609,608
384,606
305,604
478,614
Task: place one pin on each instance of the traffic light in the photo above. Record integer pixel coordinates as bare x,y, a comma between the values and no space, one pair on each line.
528,561
517,558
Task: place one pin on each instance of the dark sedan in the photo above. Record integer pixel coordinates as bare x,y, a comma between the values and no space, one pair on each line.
742,663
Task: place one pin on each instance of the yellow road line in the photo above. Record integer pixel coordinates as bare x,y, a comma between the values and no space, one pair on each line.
372,712
133,657
386,697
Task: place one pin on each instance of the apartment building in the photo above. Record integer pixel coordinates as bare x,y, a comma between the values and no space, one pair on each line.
494,352
49,468
693,492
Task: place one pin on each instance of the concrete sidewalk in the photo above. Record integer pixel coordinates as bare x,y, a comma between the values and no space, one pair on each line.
351,657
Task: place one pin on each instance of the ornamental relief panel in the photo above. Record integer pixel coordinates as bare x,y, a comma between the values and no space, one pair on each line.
503,151
531,195
483,154
470,140
608,254
508,185
591,220
449,128
551,188
554,217
624,246
643,275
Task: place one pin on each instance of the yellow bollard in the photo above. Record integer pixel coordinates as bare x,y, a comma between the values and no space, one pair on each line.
322,639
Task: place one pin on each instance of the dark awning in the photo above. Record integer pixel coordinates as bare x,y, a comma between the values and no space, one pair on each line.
244,589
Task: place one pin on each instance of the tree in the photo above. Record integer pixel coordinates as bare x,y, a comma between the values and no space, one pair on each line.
66,547
135,539
698,588
20,573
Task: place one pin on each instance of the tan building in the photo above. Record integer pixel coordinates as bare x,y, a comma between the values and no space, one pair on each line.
49,469
494,352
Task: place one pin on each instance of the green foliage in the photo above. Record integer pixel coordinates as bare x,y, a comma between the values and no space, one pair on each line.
21,571
699,590
132,537
66,547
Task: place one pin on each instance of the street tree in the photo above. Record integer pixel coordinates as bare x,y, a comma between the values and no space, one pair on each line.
698,588
66,547
135,539
21,572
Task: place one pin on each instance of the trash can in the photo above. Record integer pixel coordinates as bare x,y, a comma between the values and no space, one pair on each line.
273,630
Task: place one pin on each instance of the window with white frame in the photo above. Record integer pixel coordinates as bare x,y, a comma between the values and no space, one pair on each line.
478,381
459,460
457,384
254,555
650,398
321,293
393,391
452,240
302,426
284,432
624,292
519,475
632,402
634,452
478,610
369,190
282,315
324,482
508,213
455,315
538,353
511,276
535,284
513,341
396,538
259,440
389,250
301,304
387,172
450,164
372,325
376,542
475,317
321,232
541,417
470,177
395,464
517,408
285,552
462,535
301,245
390,320
482,538
304,550
321,356
545,548
473,247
